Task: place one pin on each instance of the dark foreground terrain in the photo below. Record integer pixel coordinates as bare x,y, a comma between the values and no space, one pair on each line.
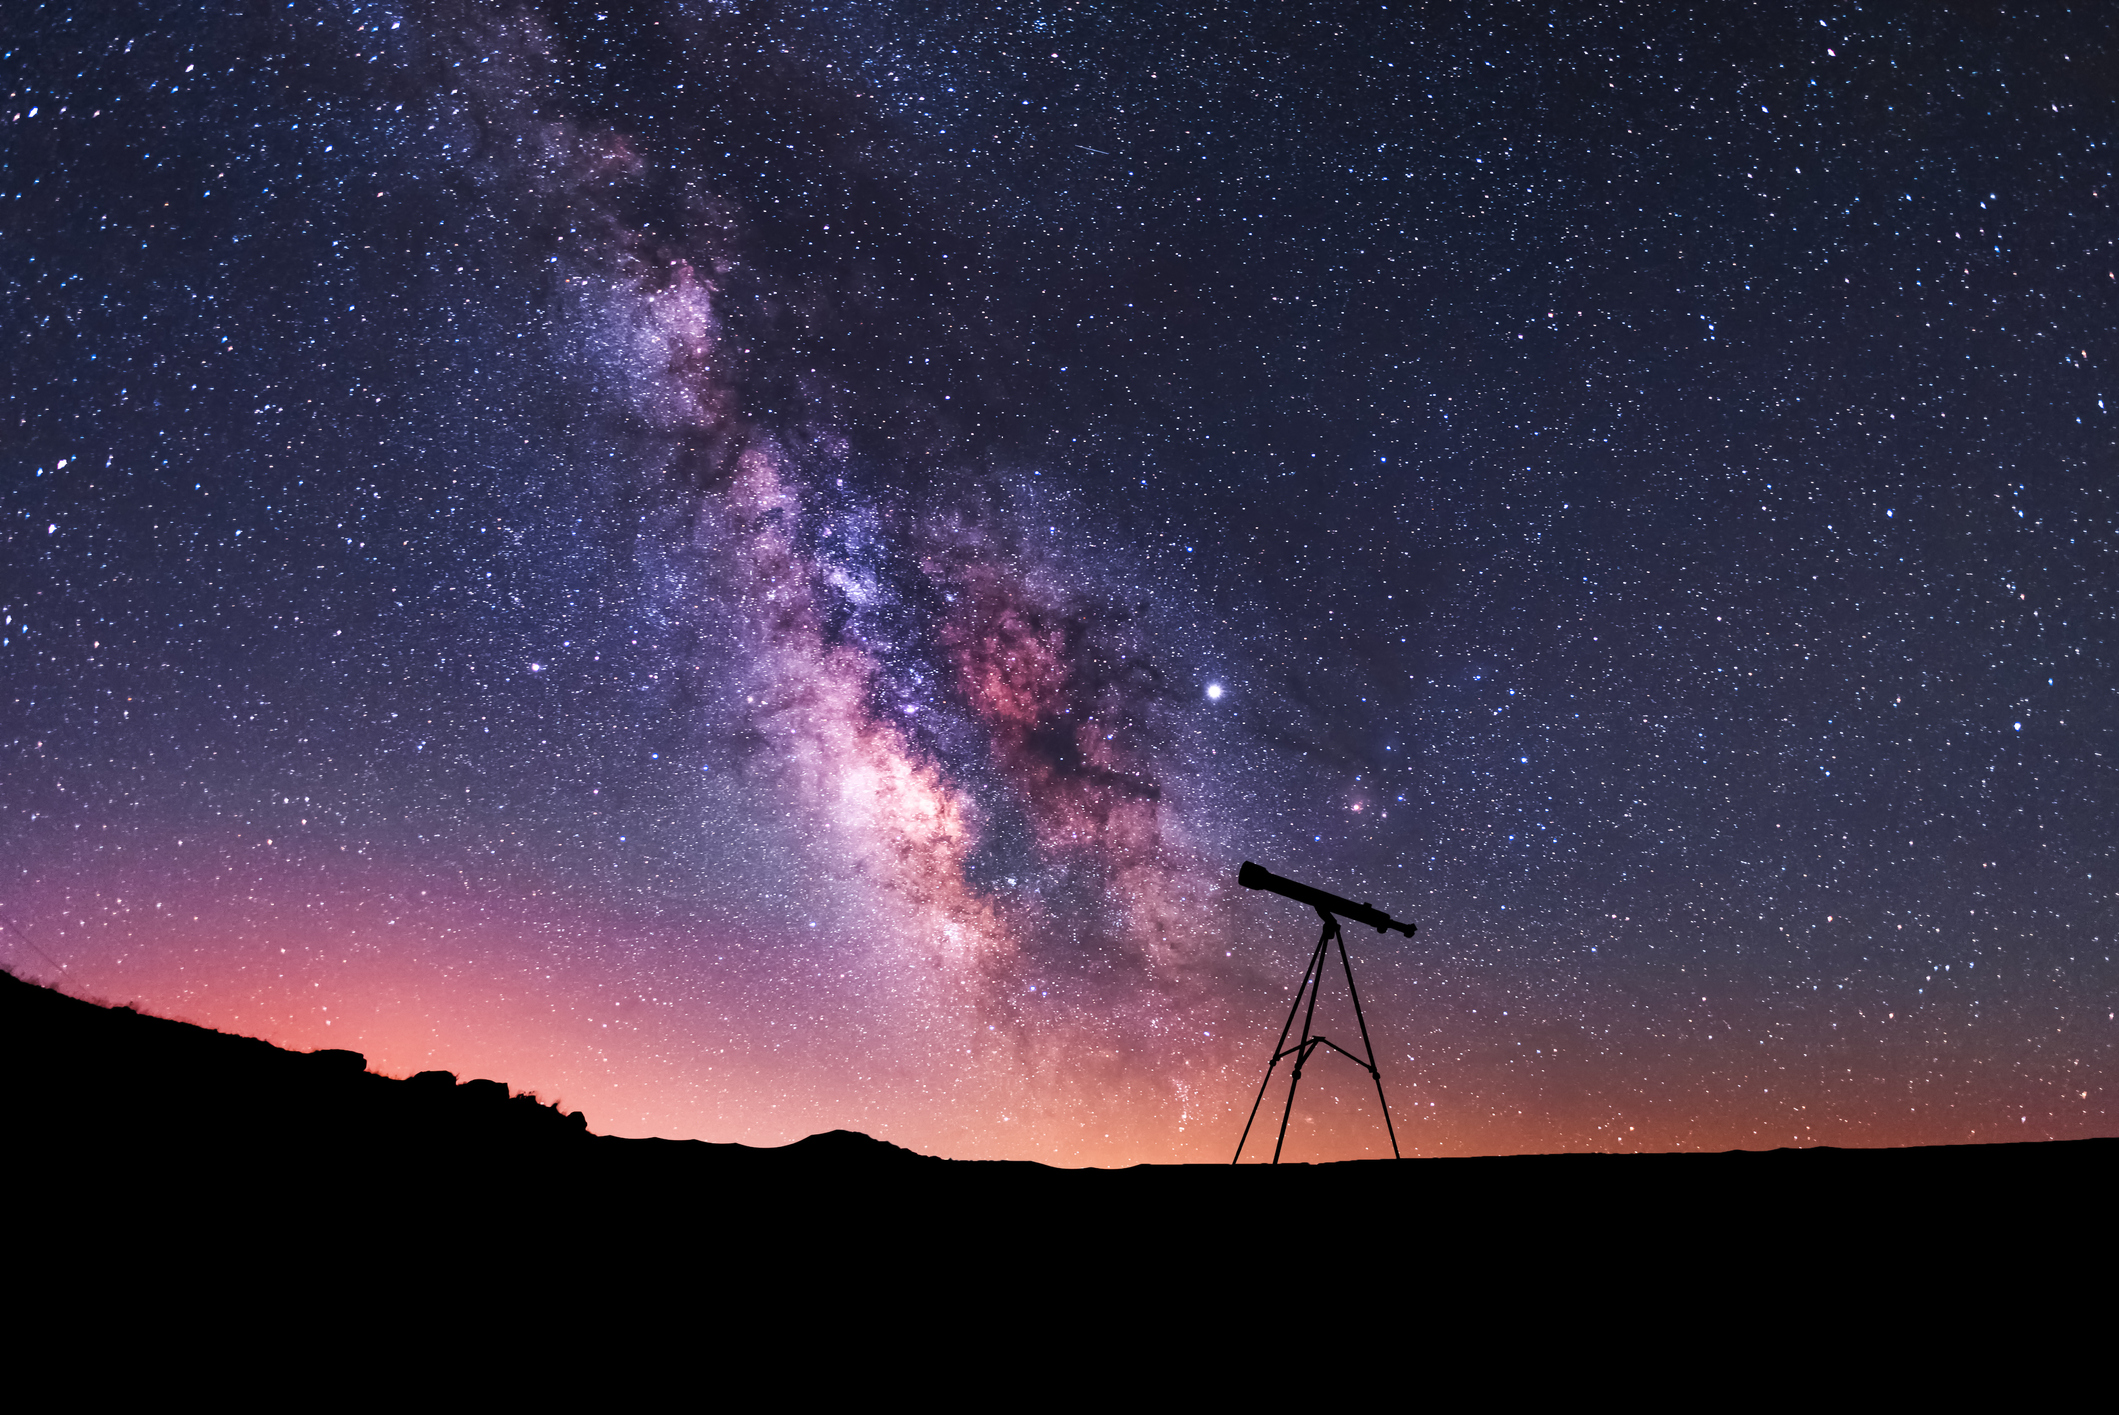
141,1144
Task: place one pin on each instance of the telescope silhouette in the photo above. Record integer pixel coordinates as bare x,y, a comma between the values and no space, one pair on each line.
1330,908
1258,877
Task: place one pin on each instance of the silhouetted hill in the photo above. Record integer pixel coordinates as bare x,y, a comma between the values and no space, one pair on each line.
144,1126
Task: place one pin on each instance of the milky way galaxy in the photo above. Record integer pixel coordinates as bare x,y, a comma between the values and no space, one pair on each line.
758,568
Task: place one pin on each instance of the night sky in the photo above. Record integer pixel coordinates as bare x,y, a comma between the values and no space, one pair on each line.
754,568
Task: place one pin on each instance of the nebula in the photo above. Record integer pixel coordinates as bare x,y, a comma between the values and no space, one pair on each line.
960,741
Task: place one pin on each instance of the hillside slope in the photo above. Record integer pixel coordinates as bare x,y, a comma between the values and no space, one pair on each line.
124,1121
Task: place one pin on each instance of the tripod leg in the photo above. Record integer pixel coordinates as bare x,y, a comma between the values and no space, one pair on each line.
1316,965
1370,1048
1302,1053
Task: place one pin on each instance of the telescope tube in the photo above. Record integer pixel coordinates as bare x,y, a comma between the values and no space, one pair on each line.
1258,877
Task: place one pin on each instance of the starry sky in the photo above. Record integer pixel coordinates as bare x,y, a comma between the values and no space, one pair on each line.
757,567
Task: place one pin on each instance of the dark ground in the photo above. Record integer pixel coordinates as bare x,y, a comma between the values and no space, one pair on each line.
143,1106
156,1163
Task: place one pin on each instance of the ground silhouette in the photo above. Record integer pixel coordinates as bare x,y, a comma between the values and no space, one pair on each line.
159,1135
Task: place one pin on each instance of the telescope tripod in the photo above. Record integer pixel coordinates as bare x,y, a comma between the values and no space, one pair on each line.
1312,980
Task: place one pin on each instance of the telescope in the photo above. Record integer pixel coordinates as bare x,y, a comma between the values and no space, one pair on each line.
1258,877
1330,908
